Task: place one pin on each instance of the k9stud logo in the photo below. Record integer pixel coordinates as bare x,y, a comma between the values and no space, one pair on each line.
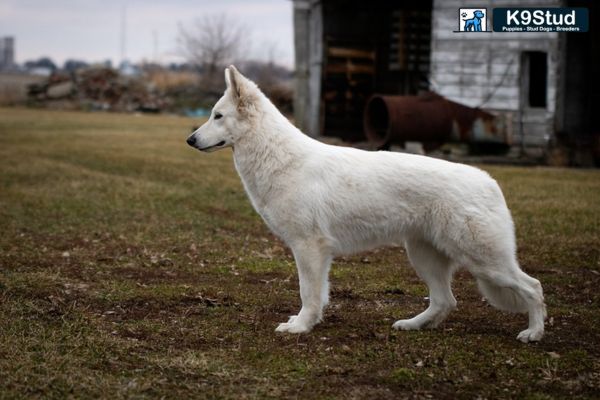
557,19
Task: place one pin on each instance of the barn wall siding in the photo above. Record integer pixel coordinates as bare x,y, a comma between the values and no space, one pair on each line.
484,69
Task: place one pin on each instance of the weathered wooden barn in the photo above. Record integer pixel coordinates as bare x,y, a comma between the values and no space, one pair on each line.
545,85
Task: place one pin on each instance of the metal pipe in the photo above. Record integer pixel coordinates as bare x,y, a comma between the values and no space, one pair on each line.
429,118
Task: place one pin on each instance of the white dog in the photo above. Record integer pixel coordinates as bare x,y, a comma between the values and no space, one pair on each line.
326,200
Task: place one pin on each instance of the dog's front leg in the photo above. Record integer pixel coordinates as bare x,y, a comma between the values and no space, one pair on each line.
313,260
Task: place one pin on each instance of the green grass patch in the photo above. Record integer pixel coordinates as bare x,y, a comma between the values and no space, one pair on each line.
132,266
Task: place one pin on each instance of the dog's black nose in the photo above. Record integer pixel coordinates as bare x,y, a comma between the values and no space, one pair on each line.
191,140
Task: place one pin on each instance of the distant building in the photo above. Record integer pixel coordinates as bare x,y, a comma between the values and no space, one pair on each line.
7,52
128,69
39,71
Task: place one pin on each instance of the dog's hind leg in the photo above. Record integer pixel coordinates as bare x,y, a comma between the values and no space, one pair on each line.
508,288
435,268
313,260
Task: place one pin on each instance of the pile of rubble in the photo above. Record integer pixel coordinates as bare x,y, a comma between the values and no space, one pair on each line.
97,89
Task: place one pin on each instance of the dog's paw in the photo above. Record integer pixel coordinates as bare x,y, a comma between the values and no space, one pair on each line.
292,328
406,325
530,335
294,325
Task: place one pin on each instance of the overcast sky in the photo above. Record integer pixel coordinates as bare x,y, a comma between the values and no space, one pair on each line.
91,29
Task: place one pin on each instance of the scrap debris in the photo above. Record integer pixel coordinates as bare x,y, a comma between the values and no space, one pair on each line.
98,88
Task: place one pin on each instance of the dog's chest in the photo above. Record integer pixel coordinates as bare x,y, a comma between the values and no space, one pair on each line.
268,210
259,186
267,195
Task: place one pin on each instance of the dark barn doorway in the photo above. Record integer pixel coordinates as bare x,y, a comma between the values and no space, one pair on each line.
370,47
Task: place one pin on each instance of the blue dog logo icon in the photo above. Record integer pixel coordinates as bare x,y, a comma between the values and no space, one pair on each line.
473,24
472,19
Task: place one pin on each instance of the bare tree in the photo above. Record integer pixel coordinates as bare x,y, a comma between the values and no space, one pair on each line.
212,42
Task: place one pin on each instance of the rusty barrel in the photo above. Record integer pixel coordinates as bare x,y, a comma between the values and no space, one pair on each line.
428,118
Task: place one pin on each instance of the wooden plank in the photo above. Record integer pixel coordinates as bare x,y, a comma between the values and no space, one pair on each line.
350,68
471,79
344,52
301,46
499,103
441,68
315,32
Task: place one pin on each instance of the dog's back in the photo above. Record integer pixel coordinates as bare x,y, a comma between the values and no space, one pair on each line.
360,200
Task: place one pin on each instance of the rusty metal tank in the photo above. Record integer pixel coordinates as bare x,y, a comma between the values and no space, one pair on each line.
429,118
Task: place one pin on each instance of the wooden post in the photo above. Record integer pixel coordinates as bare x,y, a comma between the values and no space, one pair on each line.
308,42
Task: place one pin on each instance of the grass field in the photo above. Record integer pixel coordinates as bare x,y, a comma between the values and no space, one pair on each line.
132,266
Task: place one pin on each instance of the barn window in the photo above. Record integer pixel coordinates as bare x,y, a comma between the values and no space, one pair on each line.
537,63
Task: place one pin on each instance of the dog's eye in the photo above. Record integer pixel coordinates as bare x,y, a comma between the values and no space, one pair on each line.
218,115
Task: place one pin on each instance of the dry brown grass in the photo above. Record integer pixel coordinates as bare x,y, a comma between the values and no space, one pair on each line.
166,80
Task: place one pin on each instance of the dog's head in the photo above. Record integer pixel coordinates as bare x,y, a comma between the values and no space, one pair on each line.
231,117
478,14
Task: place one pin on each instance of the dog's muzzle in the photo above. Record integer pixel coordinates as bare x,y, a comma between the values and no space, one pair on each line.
191,140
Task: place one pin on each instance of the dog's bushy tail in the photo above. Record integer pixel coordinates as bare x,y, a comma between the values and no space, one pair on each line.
503,298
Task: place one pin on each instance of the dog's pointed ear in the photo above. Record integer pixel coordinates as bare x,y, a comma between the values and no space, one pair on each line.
233,79
239,87
228,77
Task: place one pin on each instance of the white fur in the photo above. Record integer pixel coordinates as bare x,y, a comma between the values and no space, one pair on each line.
325,200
